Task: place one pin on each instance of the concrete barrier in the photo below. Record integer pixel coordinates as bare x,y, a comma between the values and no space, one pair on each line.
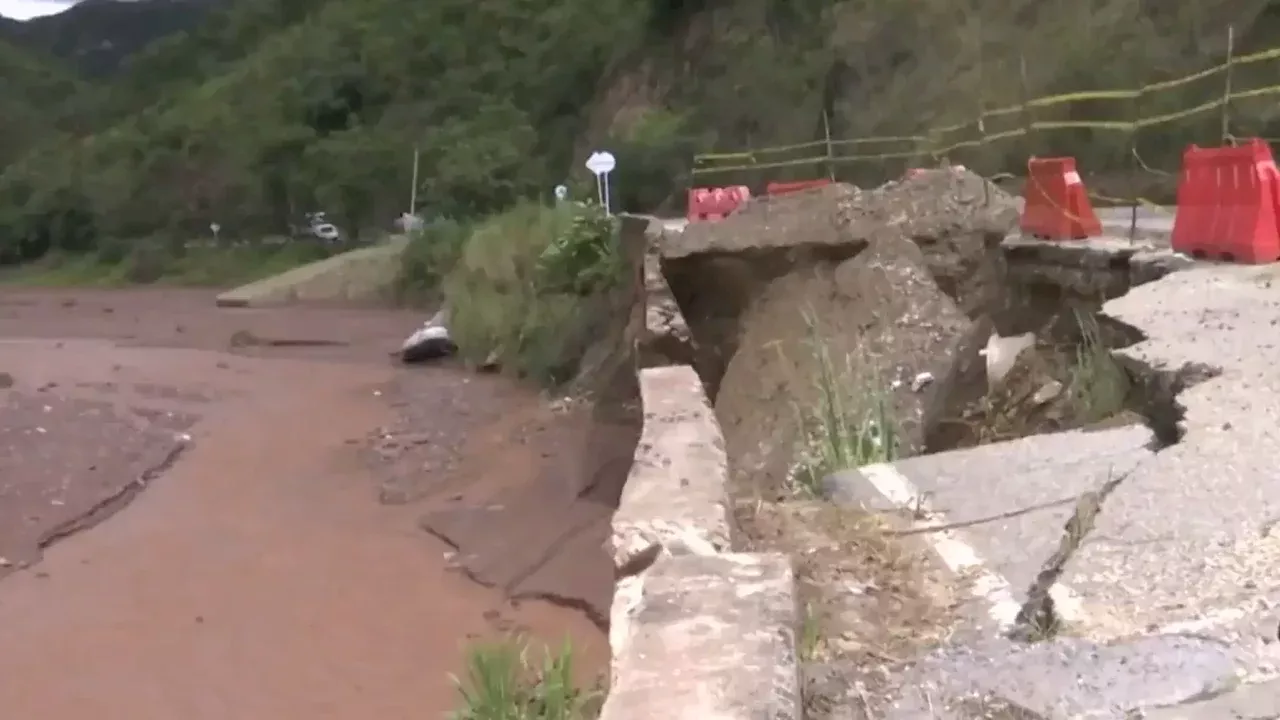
361,275
697,630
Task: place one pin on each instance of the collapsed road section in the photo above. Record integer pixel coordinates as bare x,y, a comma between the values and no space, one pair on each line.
1102,560
1143,558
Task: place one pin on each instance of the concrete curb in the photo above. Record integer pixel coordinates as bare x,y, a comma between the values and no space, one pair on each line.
358,275
698,631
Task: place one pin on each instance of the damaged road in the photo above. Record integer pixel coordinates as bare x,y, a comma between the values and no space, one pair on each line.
1127,570
1143,562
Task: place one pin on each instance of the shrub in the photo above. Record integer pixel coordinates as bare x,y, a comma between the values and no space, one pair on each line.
582,258
653,161
524,292
432,252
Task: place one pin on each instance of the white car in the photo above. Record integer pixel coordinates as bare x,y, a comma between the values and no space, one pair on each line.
326,232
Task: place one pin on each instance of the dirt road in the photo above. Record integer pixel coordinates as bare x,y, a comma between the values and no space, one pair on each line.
242,565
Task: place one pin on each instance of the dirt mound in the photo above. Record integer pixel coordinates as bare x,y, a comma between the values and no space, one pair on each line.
885,293
958,220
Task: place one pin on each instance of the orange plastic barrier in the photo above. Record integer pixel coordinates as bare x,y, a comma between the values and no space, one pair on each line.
711,204
783,188
1057,207
1227,204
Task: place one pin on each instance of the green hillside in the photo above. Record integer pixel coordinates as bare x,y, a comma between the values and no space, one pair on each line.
263,110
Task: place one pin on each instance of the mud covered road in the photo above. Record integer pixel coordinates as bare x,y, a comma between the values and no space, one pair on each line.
197,521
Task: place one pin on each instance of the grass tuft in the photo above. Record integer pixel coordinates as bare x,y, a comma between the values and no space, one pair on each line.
504,682
1097,384
852,424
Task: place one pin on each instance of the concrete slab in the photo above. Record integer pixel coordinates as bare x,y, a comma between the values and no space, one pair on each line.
1177,587
1005,505
1066,679
706,637
1188,539
676,498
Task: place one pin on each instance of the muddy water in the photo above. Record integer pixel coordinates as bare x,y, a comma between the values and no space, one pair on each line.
258,578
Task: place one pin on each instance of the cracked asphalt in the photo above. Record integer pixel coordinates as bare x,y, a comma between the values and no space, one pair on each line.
1170,604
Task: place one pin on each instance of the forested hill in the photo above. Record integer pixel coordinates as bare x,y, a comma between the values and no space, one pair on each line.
96,36
154,118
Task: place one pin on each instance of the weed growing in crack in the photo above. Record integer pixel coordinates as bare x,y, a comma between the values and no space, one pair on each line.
810,633
850,426
1098,384
502,682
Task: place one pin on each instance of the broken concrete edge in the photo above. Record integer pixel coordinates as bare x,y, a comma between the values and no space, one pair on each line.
697,631
356,275
706,637
665,338
1106,267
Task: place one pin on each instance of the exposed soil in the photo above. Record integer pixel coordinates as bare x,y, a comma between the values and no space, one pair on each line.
900,287
870,601
258,575
536,534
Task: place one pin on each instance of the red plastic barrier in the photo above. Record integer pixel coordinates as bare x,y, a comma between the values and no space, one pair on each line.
711,204
1227,204
784,188
1057,207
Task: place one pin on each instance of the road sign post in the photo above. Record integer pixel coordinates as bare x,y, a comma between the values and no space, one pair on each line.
601,164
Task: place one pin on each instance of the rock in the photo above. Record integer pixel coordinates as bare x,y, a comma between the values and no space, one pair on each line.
1047,393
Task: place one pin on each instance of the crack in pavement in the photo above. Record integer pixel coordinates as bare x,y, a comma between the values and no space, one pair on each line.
114,502
1039,618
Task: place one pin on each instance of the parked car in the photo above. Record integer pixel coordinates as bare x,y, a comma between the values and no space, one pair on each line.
316,225
326,231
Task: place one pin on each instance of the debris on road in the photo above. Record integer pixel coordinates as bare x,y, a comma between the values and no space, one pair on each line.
429,342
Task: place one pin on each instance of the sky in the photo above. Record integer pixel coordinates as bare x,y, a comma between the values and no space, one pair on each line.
27,9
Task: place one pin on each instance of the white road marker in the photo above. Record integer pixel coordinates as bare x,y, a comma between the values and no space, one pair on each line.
961,558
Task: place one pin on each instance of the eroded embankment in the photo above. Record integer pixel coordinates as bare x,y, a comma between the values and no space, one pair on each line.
677,512
787,284
909,281
689,613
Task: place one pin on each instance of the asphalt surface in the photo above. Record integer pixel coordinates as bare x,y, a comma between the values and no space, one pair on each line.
1169,603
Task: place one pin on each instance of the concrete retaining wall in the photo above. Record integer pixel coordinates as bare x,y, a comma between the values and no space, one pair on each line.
361,275
698,631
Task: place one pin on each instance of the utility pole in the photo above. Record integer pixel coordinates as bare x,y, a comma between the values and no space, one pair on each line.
413,189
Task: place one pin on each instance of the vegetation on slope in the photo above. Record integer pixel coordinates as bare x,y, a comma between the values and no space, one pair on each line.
529,289
264,110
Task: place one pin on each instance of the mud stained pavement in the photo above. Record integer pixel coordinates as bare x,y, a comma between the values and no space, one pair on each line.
259,576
